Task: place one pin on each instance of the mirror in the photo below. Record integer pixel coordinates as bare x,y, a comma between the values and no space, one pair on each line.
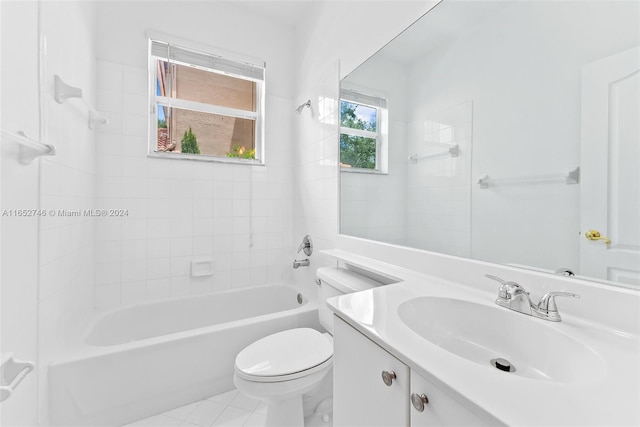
503,132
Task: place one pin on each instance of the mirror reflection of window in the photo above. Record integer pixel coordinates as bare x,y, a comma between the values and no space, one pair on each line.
361,135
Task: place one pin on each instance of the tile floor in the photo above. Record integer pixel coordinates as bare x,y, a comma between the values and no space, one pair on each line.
230,409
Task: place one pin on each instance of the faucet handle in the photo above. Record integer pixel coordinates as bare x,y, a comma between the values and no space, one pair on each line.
306,245
512,296
548,301
496,278
507,290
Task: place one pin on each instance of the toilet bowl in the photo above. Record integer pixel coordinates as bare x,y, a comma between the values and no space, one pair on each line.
283,367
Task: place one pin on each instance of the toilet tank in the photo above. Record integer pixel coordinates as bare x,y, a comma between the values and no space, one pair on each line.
335,281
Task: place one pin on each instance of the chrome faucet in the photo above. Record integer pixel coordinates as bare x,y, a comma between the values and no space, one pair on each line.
300,263
307,247
514,297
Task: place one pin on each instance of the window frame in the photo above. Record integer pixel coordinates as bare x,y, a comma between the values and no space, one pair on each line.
155,100
378,102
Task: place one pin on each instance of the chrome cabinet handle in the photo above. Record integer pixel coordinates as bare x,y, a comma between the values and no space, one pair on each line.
388,377
419,401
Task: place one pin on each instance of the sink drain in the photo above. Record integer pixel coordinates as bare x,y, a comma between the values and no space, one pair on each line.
503,364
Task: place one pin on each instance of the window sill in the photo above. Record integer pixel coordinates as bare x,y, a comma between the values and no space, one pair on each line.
366,171
204,158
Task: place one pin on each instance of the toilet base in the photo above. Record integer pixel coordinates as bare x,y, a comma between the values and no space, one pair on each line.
284,398
285,413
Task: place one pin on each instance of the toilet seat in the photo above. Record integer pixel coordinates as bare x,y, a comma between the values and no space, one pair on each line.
285,356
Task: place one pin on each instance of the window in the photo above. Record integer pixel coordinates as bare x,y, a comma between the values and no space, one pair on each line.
205,106
363,135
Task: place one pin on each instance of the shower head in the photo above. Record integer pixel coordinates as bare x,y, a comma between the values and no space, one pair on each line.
306,104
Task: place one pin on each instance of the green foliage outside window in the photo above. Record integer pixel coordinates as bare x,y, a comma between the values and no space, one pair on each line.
239,152
189,143
356,151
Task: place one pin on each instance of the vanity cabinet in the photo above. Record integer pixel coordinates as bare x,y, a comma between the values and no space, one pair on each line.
440,409
373,388
360,396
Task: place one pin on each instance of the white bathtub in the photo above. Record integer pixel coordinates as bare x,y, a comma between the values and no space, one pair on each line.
140,360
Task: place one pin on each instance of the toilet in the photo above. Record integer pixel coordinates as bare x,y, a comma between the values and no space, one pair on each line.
283,367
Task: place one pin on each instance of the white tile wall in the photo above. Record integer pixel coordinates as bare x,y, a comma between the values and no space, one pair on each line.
66,181
439,188
237,215
19,190
316,178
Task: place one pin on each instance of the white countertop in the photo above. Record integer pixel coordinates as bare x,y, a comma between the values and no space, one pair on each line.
609,397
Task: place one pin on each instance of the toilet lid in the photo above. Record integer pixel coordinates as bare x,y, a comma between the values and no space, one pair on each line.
285,353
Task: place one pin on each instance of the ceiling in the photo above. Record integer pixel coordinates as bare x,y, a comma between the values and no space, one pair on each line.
293,13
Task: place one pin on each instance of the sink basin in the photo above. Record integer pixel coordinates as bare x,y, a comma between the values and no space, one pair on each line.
482,333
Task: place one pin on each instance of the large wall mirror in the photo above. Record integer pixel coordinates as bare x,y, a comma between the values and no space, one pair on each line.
501,131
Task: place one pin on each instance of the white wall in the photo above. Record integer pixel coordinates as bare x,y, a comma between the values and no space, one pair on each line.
439,188
47,260
327,53
67,180
525,90
19,190
180,210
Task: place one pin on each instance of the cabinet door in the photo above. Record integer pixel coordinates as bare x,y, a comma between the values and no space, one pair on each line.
360,396
441,409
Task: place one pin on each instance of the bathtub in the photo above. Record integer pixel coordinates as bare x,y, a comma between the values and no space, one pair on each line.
137,361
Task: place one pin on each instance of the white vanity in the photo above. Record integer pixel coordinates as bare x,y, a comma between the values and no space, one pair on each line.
373,387
428,343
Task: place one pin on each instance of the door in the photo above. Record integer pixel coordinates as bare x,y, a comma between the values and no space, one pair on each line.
610,160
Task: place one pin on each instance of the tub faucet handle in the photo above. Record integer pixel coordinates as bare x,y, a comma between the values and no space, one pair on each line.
306,245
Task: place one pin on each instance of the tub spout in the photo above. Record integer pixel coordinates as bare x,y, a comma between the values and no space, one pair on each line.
300,263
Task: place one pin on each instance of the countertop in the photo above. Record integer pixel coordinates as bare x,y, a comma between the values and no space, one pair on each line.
607,396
